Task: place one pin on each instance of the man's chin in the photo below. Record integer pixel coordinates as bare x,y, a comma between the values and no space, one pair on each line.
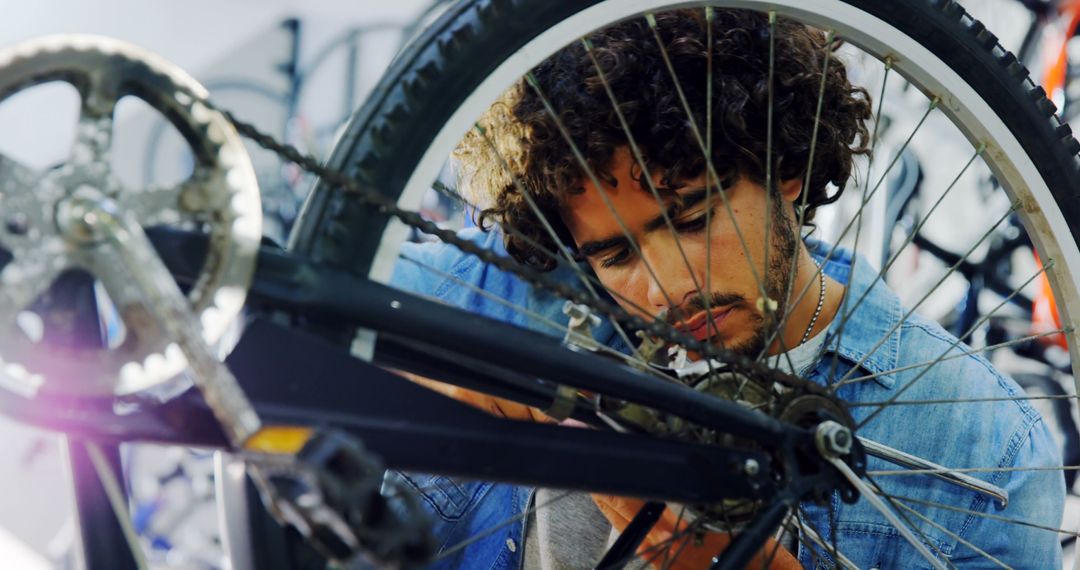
749,347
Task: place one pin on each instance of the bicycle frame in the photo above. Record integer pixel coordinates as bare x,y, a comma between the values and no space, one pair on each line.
299,379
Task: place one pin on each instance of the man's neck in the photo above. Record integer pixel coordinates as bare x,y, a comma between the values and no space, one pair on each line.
805,296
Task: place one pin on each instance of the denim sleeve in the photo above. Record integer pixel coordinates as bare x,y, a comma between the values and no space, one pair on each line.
412,276
1035,498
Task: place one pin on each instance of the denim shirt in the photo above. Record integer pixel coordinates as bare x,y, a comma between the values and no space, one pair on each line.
995,434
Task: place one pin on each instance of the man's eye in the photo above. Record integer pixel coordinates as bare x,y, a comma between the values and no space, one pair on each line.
618,258
692,225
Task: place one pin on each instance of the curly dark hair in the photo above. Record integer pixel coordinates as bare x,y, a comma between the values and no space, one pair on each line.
633,66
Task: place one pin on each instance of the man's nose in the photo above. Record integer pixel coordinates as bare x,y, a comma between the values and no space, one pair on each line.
671,282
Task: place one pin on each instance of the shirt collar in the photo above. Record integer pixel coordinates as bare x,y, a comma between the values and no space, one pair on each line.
875,318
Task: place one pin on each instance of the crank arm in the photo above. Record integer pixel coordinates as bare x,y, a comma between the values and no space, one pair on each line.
912,462
164,300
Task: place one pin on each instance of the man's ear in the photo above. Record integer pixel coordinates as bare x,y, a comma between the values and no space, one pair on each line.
790,189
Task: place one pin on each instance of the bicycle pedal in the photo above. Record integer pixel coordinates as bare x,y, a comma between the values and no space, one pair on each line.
331,492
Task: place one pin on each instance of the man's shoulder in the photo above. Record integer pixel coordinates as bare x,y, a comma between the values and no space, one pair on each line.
444,272
957,371
428,267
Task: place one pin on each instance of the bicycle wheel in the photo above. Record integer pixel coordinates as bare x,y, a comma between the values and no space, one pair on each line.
440,87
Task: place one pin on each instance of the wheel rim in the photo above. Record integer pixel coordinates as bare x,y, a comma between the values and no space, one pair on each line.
1004,154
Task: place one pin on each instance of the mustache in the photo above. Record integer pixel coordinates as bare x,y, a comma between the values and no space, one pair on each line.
696,304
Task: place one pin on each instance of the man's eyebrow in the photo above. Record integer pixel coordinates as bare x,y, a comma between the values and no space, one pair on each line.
687,200
591,248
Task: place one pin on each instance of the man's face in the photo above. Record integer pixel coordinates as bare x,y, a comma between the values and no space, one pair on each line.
659,278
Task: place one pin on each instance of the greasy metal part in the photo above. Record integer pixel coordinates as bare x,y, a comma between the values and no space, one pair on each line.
832,439
649,348
912,462
698,369
221,198
579,328
563,404
151,286
875,501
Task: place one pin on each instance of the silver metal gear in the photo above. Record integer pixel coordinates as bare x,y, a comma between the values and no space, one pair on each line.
42,230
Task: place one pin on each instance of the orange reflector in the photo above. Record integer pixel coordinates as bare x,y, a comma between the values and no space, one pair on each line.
279,439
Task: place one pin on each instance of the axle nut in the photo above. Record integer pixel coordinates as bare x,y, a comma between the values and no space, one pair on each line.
833,439
751,467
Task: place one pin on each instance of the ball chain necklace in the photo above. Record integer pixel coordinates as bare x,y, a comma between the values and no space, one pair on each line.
820,304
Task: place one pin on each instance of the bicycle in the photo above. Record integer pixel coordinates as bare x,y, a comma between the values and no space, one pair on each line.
327,282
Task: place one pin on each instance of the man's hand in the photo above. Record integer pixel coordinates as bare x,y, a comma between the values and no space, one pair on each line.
691,555
685,552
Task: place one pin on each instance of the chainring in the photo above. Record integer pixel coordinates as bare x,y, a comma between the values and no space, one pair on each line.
221,197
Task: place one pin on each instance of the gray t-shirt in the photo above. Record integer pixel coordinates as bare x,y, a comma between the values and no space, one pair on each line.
567,532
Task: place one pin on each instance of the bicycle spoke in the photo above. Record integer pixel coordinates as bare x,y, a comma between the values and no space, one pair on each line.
709,15
847,314
670,558
767,562
833,531
442,189
1000,518
951,534
630,360
836,247
793,270
1005,344
807,528
710,168
879,505
115,495
859,224
963,401
563,249
911,526
488,532
531,80
835,385
894,472
635,150
1046,266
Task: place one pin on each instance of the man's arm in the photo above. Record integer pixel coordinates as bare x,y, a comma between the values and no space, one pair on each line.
1036,496
693,553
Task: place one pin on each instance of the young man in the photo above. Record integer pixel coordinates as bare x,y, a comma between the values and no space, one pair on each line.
645,214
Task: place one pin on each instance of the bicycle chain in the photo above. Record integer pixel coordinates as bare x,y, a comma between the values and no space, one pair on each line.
386,206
